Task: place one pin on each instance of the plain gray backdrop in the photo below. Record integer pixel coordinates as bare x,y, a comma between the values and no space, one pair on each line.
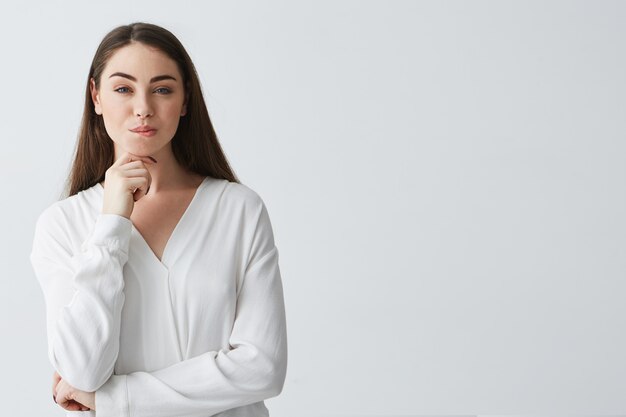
445,181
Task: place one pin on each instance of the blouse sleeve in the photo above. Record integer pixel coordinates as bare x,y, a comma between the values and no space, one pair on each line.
84,295
253,369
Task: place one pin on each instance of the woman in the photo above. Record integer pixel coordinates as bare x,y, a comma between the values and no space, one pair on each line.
159,270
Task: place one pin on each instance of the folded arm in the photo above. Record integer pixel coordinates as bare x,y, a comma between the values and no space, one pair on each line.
252,369
84,295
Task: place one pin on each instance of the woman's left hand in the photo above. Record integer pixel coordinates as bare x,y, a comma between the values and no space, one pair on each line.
70,398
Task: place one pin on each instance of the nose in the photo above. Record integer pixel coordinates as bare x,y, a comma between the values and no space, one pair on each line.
143,106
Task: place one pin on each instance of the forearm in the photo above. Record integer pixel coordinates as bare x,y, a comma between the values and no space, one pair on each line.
252,369
84,303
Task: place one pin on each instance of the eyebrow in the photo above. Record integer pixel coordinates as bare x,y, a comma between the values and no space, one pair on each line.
152,80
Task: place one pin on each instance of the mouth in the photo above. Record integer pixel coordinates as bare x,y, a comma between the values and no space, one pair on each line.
144,131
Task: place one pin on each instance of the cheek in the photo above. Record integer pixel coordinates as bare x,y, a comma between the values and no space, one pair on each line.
174,108
114,116
111,127
113,119
113,110
171,113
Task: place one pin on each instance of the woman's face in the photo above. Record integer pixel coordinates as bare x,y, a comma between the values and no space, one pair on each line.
140,87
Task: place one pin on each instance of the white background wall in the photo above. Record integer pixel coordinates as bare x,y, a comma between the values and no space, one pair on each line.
445,181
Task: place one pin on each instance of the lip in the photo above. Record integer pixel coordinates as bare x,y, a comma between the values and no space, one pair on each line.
146,132
142,128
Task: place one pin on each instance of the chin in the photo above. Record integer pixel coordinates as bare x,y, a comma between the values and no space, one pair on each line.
141,146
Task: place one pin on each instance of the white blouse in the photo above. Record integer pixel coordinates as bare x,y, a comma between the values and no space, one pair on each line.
201,332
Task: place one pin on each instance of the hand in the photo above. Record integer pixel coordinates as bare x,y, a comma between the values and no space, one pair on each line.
126,181
70,398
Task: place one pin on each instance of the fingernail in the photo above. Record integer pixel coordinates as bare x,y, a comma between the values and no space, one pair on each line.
153,160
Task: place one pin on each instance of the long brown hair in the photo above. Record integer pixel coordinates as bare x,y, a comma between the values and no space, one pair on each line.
195,144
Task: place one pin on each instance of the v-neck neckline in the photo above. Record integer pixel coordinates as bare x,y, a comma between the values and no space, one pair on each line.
165,261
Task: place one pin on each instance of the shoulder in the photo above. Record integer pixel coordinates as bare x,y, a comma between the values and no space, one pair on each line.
253,208
242,208
64,222
68,210
242,193
239,197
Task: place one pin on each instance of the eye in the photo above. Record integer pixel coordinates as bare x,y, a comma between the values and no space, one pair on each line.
121,88
163,90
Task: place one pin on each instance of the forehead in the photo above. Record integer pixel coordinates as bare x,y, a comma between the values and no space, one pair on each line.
141,61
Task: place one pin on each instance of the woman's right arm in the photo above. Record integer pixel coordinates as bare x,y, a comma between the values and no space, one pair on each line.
83,288
83,293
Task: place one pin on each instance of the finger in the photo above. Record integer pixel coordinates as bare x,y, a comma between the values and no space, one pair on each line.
136,172
129,157
133,165
138,186
61,394
82,398
73,406
145,158
141,190
133,170
122,159
64,397
139,193
58,387
77,405
55,380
